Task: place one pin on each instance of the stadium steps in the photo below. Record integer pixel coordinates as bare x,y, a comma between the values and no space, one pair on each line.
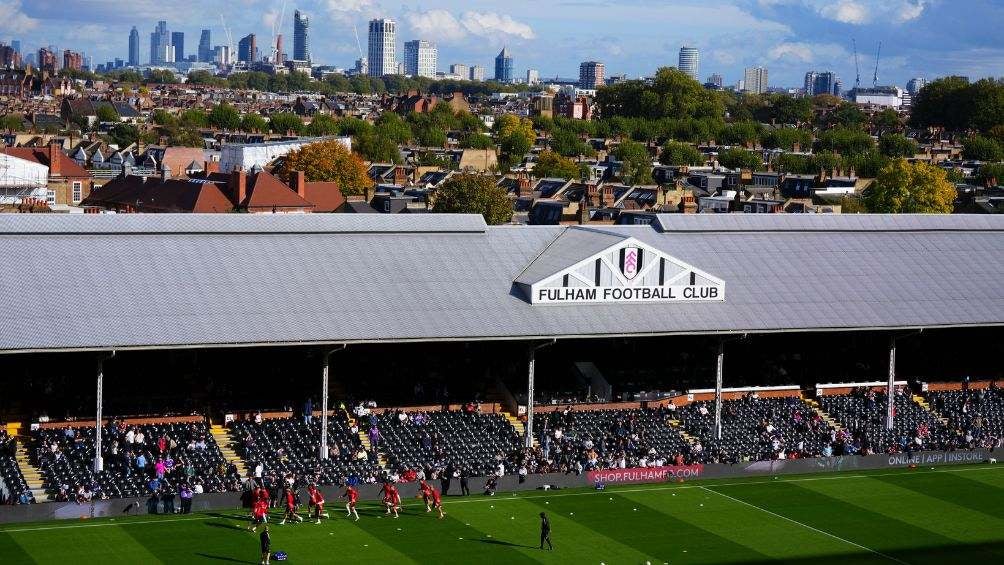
920,400
32,474
830,421
364,438
675,424
225,442
518,426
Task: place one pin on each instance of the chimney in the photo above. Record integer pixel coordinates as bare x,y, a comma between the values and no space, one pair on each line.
593,193
211,167
368,193
524,185
400,176
165,173
607,198
583,211
55,161
298,181
238,186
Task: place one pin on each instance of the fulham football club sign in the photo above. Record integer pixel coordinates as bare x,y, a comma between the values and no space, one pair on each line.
627,272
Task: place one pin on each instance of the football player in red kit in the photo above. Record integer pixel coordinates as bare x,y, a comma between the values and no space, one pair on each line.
432,498
259,513
291,507
350,507
317,500
391,498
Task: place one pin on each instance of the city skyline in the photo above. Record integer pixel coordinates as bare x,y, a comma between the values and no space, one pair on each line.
921,38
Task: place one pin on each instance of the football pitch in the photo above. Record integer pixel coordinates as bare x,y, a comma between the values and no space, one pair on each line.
914,516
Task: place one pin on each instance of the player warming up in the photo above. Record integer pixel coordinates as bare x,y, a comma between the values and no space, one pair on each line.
432,498
391,498
317,500
350,506
266,545
545,531
259,514
291,507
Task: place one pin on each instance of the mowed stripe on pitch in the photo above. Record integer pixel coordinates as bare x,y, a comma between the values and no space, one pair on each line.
876,532
11,551
92,545
954,489
765,535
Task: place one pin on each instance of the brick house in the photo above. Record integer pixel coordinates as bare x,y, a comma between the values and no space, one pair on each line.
69,183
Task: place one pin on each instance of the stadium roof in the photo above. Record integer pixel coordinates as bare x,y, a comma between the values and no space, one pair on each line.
157,281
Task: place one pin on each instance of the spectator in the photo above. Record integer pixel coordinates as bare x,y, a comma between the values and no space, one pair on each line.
186,499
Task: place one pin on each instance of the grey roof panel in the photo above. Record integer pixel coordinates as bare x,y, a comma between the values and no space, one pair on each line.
143,281
827,222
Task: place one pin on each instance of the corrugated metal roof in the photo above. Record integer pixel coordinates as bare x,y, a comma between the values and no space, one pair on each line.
827,222
163,281
571,246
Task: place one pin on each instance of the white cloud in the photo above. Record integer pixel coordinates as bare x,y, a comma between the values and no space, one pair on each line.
846,11
346,10
802,52
438,24
491,24
269,18
13,19
859,12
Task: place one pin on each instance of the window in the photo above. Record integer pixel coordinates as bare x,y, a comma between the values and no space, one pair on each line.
78,188
50,197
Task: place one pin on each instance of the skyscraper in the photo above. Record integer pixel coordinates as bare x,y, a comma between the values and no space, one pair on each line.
716,80
72,60
821,83
477,73
178,42
161,50
420,58
382,44
809,84
591,74
503,66
689,61
134,47
915,85
460,70
205,47
247,49
16,45
301,36
755,80
532,77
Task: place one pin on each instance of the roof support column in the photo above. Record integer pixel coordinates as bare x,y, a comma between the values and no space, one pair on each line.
530,391
718,389
890,402
324,401
99,460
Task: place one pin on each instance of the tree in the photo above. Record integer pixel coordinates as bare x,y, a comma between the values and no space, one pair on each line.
551,165
328,161
991,172
676,153
106,113
162,76
670,94
636,163
164,118
741,133
897,146
254,123
786,138
12,122
193,118
283,122
567,143
393,127
911,188
515,137
123,135
887,120
469,193
980,148
739,158
186,137
476,141
225,117
322,124
377,148
430,136
846,141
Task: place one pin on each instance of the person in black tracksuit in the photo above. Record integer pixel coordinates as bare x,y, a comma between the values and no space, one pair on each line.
545,531
266,545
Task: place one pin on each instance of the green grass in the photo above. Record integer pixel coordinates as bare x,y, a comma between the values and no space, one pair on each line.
920,516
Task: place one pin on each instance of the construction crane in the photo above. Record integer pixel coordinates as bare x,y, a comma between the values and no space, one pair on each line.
359,46
877,55
232,54
276,30
857,69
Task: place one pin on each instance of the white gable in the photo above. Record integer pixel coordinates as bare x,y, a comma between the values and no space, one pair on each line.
629,271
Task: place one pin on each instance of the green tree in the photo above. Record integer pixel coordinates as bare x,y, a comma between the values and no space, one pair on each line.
473,194
12,122
106,113
739,158
328,161
162,76
123,135
186,137
846,141
741,133
897,146
636,163
887,120
322,124
476,141
225,117
377,148
786,138
162,117
282,122
254,123
676,153
794,164
980,148
194,118
394,128
911,188
430,136
991,172
942,103
567,143
551,165
515,137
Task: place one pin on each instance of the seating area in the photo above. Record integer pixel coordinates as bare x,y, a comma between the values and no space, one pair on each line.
572,440
975,417
284,446
756,429
436,441
13,488
862,416
134,456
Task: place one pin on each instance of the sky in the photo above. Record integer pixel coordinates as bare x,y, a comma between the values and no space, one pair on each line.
920,38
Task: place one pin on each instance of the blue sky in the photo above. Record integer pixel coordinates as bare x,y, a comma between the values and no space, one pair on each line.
928,38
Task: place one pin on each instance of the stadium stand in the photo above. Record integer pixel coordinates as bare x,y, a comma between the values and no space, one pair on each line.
756,429
862,416
65,456
975,417
12,483
291,445
447,439
576,440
